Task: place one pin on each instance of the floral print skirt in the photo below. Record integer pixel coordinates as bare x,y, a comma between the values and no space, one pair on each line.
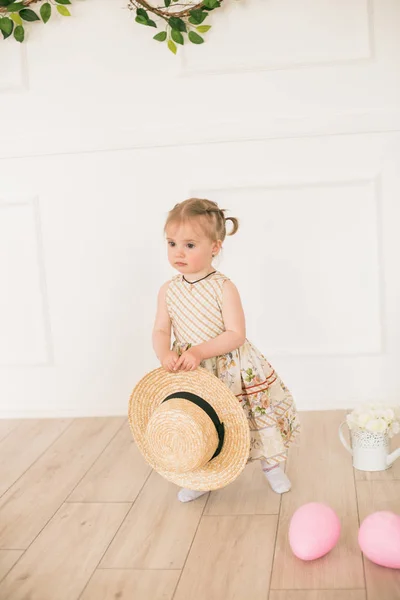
268,404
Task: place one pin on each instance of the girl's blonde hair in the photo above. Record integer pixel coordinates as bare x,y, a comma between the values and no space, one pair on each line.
211,218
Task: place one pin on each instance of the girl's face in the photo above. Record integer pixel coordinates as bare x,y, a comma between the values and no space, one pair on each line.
189,249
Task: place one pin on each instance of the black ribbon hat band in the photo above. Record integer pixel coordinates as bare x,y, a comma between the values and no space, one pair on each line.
208,409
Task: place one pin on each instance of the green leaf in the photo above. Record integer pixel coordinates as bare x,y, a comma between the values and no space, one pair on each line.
15,7
211,4
6,2
197,17
63,10
63,1
172,46
203,28
28,15
177,23
6,27
142,13
151,23
141,20
177,37
167,3
45,12
19,33
16,18
195,38
160,37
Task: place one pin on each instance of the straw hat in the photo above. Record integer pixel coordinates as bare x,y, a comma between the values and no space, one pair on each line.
190,428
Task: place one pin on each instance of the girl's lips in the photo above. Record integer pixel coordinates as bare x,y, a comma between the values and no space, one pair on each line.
180,264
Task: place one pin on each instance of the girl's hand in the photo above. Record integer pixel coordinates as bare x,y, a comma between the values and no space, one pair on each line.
169,360
189,360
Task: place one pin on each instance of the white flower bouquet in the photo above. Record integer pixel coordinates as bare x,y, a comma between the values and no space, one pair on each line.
375,417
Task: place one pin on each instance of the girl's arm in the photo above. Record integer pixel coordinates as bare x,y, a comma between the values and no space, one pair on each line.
235,326
162,325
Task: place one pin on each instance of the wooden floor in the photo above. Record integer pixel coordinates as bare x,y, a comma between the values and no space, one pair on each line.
82,516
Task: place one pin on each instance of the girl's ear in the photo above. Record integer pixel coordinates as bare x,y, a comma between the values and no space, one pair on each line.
216,247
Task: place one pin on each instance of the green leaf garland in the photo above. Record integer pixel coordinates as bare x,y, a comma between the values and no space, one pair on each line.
13,12
180,20
180,23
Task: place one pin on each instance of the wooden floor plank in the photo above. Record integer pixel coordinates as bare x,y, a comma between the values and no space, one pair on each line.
126,584
8,558
250,494
374,496
318,595
320,472
61,560
117,476
26,442
62,536
27,506
158,531
231,559
7,425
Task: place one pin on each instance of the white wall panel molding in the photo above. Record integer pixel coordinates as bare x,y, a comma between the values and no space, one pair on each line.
328,300
331,69
13,70
177,135
285,35
25,338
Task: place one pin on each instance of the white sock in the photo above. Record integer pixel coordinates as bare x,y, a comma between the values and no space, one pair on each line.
277,478
185,495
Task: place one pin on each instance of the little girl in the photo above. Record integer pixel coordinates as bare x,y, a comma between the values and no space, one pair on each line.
204,309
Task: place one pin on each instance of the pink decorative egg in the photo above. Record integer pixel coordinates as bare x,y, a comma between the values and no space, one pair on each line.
379,539
314,530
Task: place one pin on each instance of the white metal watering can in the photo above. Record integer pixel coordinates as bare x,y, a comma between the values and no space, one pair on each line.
370,450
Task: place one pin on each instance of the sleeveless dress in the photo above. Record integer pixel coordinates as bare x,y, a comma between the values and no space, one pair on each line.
195,310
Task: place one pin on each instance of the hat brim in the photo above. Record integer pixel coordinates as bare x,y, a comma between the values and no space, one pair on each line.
150,392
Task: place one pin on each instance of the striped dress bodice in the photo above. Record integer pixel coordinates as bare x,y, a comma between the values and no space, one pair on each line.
195,309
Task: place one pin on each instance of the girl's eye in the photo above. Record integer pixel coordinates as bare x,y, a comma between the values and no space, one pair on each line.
172,244
190,246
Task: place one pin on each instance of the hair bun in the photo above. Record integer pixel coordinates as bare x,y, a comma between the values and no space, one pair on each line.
235,224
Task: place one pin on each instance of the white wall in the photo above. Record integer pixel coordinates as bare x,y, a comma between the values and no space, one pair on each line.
289,115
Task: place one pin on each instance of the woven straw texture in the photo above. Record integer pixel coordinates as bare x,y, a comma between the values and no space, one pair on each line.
149,394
